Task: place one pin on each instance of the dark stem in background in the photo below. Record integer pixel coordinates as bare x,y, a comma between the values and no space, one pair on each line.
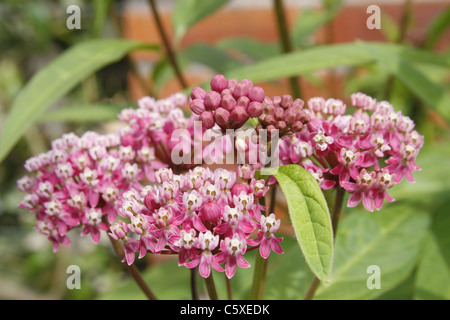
337,209
404,23
211,288
133,270
286,43
168,48
133,67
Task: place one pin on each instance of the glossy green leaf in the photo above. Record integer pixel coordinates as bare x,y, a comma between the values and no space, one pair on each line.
58,78
390,239
310,218
188,12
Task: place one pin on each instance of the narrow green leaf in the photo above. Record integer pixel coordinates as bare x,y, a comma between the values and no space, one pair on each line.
250,47
84,113
303,62
310,20
432,94
437,28
390,239
310,218
58,78
189,12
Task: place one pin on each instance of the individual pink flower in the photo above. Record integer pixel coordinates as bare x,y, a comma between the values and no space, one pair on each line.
232,253
207,242
266,239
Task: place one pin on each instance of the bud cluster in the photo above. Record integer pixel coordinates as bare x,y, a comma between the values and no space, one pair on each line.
229,104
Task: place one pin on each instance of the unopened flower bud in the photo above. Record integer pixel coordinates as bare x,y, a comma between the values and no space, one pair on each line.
276,101
239,115
286,101
210,212
279,113
232,84
219,83
207,119
243,101
269,120
254,109
212,100
298,103
222,117
238,188
281,126
297,126
197,106
257,94
228,102
198,93
242,88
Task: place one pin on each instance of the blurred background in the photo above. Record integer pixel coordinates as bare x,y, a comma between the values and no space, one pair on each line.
236,38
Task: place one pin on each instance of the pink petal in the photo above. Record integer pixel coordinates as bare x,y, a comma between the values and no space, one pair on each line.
367,202
264,248
275,244
95,235
204,268
354,199
241,262
230,267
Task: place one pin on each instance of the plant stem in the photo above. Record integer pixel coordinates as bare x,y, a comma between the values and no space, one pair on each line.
259,275
169,52
194,291
211,288
229,291
133,270
257,289
337,209
286,43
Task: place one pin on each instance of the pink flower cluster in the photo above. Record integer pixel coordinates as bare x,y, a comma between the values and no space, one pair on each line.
80,180
366,152
207,218
229,104
152,124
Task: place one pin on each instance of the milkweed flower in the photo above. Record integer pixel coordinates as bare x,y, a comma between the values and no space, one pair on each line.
206,224
365,152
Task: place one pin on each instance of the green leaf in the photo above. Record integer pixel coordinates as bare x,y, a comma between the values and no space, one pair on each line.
310,218
433,272
390,239
189,12
288,275
303,62
310,20
58,78
432,94
436,29
84,113
212,57
252,48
